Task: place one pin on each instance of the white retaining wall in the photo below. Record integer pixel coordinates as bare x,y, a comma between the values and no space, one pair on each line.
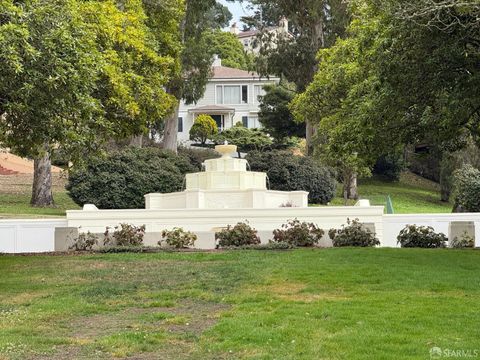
18,236
25,236
393,224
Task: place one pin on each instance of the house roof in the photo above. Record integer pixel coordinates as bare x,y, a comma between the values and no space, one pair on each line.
223,72
212,108
249,33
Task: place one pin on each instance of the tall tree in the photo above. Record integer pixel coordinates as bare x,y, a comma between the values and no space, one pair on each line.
275,115
313,25
408,72
227,46
73,74
194,69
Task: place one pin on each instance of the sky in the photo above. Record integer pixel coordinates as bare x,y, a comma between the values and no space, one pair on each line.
238,10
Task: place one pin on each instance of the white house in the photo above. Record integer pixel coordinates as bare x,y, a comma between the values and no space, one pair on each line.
251,41
231,96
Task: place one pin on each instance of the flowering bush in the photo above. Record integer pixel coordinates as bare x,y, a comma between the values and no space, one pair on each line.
421,237
125,235
241,234
354,234
298,233
178,238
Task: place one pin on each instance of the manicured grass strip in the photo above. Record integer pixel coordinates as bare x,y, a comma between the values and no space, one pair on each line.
302,304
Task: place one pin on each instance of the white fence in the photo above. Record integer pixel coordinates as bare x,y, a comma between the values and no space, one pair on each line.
24,236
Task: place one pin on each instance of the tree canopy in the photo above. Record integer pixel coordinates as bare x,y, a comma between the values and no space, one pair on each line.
407,73
227,46
75,73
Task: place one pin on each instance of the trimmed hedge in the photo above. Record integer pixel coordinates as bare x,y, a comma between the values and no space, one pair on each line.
288,172
121,179
467,189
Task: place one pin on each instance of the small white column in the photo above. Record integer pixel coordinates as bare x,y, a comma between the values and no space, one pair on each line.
477,233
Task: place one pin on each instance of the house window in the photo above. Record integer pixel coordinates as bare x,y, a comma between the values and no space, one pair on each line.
219,94
180,124
245,94
245,121
232,94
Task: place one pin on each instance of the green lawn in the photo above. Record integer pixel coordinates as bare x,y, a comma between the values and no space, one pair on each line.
412,194
18,205
302,304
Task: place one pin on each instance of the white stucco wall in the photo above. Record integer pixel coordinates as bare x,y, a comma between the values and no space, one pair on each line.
21,236
393,224
17,236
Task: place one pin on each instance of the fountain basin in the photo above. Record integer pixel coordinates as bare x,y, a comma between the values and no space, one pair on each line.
227,199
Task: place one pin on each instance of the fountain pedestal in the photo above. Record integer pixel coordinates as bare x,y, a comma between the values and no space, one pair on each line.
226,184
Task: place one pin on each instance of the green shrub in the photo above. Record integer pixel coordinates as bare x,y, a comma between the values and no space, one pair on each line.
84,242
413,236
245,139
204,128
389,167
463,241
125,235
297,233
241,234
129,249
198,156
467,189
121,179
287,172
178,238
354,234
268,246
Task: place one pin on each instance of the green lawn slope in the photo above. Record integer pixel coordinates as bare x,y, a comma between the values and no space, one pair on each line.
412,194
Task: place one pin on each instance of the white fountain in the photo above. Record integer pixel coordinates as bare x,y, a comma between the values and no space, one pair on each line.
224,194
226,184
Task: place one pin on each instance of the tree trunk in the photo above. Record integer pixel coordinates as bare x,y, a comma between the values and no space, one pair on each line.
42,182
171,130
136,141
353,188
350,188
318,43
310,133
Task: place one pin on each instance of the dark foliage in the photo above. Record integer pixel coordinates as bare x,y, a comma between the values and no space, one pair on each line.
389,167
287,172
121,179
413,236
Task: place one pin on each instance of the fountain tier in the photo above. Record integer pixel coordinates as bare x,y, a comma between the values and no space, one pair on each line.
226,184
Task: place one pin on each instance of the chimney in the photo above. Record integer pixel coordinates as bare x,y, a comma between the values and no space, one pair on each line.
217,62
283,24
234,29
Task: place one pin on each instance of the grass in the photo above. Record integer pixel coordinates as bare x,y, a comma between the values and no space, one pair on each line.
302,304
16,191
412,194
18,205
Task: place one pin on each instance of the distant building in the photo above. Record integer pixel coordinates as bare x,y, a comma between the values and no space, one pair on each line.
231,96
250,40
